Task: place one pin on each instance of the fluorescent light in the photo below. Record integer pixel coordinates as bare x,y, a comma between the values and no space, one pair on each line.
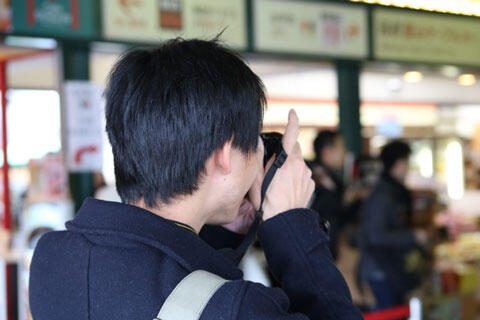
425,161
450,71
31,42
394,84
413,77
454,170
467,79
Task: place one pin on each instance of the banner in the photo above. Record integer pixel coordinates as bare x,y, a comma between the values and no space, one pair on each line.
82,101
157,20
310,28
63,18
423,37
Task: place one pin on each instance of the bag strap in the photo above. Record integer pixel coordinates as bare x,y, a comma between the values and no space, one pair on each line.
190,297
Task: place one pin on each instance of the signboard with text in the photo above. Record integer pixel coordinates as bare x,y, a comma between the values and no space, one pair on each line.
154,21
423,37
310,28
62,18
82,101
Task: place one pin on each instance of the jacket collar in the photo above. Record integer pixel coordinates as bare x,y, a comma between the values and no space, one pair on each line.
113,218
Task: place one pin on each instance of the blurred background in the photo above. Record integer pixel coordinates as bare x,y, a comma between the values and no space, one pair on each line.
375,71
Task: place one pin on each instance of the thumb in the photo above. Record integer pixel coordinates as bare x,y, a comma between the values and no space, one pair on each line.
291,132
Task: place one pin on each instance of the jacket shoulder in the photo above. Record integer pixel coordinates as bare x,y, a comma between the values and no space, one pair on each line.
58,273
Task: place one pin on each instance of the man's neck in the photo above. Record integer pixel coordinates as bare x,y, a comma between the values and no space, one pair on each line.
187,211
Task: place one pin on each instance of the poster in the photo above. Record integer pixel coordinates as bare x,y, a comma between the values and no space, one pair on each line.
83,126
157,20
310,28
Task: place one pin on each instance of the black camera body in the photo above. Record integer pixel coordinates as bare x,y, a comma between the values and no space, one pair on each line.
272,143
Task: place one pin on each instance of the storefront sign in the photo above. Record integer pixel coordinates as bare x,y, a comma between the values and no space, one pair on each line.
310,28
69,18
153,21
82,101
466,7
423,37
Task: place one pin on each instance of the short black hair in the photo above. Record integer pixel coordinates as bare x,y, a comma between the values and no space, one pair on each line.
394,151
169,108
325,138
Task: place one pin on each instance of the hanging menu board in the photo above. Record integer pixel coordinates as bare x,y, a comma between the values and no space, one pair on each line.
153,21
310,28
423,37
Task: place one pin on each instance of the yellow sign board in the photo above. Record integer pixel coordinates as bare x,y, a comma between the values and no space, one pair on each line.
310,28
423,37
157,20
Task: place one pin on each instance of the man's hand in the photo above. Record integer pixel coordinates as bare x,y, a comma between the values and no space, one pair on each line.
292,186
244,219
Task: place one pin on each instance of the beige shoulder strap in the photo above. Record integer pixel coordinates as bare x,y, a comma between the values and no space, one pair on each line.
190,297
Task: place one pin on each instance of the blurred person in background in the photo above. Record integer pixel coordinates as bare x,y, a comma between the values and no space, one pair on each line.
389,245
332,201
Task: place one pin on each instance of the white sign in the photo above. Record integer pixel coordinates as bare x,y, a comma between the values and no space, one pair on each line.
311,28
158,20
82,102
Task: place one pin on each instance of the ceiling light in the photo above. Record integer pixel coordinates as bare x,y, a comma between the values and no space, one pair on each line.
450,71
394,84
467,79
413,77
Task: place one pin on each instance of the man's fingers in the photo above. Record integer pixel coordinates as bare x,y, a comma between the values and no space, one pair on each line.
297,150
291,132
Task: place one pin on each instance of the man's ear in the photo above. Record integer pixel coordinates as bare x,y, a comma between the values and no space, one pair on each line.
222,159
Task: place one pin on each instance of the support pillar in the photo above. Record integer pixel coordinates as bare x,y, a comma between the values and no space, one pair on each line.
10,271
348,76
75,59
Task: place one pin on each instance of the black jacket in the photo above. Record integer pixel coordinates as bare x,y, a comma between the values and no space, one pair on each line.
119,261
330,206
386,238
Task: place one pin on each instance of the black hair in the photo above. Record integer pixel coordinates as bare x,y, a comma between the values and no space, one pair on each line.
169,108
392,152
325,138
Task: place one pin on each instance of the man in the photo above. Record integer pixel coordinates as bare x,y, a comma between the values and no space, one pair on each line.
183,120
387,240
329,199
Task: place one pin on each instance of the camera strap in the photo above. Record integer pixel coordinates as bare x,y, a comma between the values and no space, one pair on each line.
236,255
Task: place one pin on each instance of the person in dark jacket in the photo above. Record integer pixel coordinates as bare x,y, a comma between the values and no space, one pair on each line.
184,120
330,194
386,236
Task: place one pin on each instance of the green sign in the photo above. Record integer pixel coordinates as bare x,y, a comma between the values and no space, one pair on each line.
57,18
423,37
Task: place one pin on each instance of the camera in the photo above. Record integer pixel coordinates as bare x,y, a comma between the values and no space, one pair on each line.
272,142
